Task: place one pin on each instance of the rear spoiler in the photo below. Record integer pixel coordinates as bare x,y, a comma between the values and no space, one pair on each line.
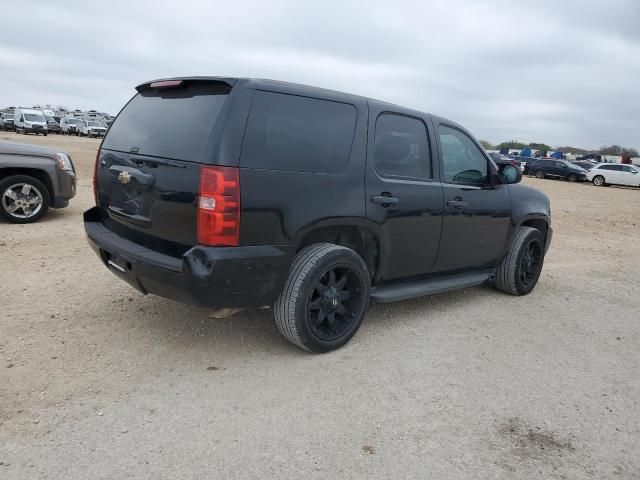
183,82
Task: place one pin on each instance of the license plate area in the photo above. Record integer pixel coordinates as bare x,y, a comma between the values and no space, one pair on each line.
116,262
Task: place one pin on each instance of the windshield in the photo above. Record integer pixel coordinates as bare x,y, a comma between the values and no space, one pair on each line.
93,124
72,121
34,117
578,167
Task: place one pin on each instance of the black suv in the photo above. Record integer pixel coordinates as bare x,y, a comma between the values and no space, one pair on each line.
231,192
558,169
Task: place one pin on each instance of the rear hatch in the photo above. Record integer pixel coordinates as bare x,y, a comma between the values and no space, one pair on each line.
148,166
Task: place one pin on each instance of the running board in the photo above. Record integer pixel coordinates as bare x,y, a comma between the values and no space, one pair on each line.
419,288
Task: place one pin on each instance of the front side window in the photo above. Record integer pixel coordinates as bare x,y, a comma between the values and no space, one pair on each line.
401,148
462,160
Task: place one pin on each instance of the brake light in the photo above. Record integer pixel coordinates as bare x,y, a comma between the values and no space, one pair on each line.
219,206
166,84
95,177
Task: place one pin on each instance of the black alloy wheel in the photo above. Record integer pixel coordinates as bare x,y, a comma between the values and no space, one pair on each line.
324,299
335,303
531,263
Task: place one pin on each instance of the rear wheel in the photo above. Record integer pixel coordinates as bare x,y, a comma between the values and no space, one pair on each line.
324,299
520,269
539,174
598,181
24,199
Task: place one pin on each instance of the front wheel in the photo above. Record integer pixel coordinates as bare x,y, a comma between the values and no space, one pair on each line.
572,177
24,199
520,269
324,299
598,181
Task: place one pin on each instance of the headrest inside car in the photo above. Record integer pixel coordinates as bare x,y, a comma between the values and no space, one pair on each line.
392,147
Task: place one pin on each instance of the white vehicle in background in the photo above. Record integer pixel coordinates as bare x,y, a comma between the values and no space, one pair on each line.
91,128
604,174
29,120
69,125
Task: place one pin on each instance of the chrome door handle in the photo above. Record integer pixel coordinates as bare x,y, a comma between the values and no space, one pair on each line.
384,200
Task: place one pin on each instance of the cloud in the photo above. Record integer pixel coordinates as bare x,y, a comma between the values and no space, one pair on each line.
554,72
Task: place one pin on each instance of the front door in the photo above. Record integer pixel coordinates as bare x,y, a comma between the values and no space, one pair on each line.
403,200
630,176
476,224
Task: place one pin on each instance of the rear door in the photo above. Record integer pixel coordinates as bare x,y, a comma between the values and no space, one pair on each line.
149,163
477,210
403,198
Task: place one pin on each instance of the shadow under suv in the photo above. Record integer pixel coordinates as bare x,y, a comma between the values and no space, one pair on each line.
232,192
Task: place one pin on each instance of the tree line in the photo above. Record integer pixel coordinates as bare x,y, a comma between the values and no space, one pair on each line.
604,150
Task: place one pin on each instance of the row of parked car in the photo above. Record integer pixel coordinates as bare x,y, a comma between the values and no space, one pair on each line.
600,174
31,120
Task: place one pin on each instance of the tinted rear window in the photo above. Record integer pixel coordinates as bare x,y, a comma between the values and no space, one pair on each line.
288,132
173,123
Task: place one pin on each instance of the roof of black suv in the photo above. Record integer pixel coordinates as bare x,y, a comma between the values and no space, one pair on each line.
298,89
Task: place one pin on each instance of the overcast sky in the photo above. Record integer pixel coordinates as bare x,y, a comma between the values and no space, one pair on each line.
561,72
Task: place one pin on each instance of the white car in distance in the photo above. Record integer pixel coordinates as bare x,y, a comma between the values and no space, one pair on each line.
604,174
91,128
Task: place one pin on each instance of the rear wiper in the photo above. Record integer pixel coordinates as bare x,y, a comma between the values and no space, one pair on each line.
160,161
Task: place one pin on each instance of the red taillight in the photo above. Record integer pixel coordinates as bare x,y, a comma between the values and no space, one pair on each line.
95,177
219,206
166,84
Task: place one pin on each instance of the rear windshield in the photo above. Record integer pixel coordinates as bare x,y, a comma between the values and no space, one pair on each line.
173,123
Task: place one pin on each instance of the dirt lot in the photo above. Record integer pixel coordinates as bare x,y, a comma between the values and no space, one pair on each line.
98,381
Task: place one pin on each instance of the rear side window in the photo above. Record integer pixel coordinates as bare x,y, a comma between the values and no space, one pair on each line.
401,147
173,123
288,132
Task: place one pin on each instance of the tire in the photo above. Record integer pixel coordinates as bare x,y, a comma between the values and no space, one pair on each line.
312,272
539,174
509,274
36,186
572,178
598,181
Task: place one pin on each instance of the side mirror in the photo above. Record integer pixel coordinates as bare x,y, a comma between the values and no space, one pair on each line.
509,174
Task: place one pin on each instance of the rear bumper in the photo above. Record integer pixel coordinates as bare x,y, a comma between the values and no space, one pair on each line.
249,276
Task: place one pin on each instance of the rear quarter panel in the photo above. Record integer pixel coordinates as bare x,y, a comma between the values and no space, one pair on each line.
280,207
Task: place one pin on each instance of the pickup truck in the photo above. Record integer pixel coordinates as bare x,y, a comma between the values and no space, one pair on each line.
32,180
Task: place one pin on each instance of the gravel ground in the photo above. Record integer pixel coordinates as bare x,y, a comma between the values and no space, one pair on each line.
100,382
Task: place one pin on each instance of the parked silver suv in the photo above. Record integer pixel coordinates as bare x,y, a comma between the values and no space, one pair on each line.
32,180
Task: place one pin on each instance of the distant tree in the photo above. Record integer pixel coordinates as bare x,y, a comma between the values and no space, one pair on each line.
486,145
511,144
573,150
540,146
618,150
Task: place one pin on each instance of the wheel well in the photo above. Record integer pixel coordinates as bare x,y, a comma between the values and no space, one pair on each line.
358,239
32,172
537,224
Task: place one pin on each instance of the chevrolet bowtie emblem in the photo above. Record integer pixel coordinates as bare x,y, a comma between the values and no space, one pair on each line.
124,177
